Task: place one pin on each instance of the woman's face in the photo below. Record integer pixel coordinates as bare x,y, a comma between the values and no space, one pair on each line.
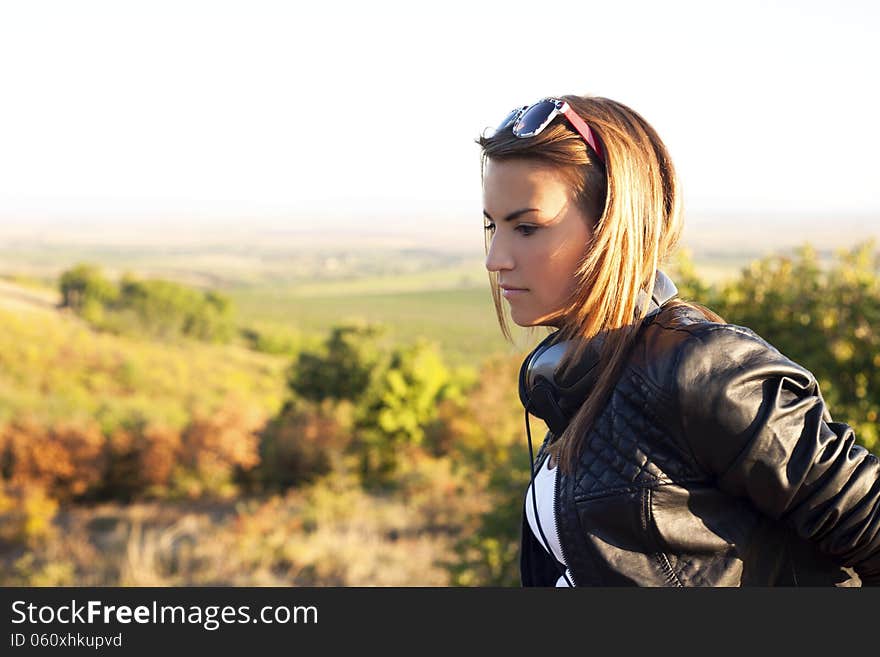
538,238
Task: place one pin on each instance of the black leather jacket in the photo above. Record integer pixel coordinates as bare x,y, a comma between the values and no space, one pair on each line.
714,463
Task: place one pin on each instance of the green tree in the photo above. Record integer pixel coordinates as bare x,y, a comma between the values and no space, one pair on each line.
211,319
159,308
400,404
342,369
85,284
167,309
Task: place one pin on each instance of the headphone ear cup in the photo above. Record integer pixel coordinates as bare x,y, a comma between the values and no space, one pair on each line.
542,401
524,371
547,407
543,396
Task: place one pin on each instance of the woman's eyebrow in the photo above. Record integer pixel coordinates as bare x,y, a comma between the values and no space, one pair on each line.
512,215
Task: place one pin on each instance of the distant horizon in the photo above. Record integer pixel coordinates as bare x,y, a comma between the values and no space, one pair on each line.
725,229
351,209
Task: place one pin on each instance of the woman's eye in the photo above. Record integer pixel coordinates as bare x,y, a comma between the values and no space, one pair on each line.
526,230
489,227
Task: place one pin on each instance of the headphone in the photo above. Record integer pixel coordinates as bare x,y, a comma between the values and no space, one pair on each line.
554,398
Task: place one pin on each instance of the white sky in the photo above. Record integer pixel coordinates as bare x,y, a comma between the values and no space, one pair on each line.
133,109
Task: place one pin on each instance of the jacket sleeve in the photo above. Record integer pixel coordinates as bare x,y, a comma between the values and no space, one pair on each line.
757,421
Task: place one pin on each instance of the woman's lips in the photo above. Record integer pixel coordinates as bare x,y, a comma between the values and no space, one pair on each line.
512,292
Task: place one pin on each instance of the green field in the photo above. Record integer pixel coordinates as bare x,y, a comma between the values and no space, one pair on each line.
460,321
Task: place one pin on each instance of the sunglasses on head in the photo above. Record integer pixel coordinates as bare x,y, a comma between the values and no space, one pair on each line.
530,120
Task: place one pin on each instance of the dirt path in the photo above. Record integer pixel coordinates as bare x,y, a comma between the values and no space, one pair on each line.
18,297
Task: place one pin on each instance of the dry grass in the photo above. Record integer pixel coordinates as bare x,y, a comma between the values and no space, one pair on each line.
331,533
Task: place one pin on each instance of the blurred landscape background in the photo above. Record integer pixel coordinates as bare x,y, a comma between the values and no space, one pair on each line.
246,334
198,408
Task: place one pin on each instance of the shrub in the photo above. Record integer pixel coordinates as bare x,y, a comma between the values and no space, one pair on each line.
215,446
66,459
304,441
142,458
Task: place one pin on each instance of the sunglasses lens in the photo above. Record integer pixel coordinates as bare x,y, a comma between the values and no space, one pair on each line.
510,118
535,119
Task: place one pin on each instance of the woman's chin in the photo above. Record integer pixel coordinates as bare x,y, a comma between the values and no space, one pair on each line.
528,321
521,320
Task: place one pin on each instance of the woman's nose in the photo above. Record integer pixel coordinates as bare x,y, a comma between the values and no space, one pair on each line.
498,257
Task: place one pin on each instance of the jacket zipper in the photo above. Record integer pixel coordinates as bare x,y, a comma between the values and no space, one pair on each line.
557,510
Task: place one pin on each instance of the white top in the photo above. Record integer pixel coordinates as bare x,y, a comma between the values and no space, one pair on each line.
545,492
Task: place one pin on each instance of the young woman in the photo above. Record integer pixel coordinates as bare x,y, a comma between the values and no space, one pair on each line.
682,451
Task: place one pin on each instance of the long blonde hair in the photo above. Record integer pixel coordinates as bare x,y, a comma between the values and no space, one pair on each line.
633,200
